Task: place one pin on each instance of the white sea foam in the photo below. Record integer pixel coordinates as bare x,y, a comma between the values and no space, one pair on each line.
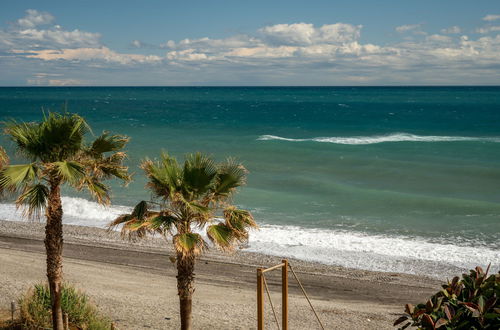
334,247
396,137
371,252
76,211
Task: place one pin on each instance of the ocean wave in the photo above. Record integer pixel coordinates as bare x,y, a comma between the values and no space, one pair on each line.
370,252
76,211
396,137
341,247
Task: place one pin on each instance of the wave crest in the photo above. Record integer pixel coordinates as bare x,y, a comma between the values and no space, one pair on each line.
396,137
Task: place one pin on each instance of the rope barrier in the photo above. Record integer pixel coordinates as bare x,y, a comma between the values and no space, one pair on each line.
271,301
307,297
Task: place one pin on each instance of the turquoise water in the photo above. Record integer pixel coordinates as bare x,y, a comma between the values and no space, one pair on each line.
419,164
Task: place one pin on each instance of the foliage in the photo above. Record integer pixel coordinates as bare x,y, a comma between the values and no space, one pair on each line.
467,303
194,195
35,309
57,153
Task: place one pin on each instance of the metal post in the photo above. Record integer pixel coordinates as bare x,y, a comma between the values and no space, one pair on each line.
12,309
284,294
66,321
260,299
113,326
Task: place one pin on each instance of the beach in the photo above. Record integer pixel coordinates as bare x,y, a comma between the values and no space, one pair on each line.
134,283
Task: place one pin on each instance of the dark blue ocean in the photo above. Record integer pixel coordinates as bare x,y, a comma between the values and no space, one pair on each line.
384,178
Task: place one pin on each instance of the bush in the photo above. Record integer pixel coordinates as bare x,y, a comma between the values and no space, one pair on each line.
468,303
36,313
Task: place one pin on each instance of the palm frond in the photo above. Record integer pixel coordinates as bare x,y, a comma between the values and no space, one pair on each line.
97,189
199,173
33,199
189,244
4,158
70,171
132,221
119,221
140,210
108,143
58,137
239,221
230,176
161,222
26,136
165,177
221,236
14,176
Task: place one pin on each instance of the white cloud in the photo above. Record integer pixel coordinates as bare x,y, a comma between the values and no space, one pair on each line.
34,18
490,18
438,38
451,30
89,54
409,27
60,37
488,29
306,34
27,33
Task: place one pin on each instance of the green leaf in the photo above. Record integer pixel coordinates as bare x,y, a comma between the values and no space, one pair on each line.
198,173
239,220
97,189
161,221
230,176
108,143
34,198
140,210
13,176
221,236
4,159
189,244
71,171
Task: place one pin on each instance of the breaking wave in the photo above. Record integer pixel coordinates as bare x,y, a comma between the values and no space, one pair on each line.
396,137
329,246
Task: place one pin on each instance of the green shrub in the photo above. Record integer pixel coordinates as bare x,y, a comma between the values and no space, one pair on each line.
468,303
36,313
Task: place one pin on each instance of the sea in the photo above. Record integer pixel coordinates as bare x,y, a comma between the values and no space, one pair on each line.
392,179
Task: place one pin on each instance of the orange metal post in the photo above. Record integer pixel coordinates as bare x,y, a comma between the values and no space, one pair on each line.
284,295
260,299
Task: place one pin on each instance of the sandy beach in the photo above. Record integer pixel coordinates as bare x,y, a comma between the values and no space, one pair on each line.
134,283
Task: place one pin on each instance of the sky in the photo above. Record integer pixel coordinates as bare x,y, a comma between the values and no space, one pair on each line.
249,43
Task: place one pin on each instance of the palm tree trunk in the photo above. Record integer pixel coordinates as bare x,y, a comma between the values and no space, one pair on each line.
185,278
54,246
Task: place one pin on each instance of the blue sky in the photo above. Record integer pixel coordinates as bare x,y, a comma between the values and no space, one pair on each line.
250,42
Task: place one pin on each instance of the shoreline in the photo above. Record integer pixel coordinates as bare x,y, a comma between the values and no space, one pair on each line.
94,236
123,277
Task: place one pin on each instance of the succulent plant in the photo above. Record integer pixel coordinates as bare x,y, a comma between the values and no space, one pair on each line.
471,302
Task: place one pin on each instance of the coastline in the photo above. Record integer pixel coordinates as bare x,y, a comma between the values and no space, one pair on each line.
96,260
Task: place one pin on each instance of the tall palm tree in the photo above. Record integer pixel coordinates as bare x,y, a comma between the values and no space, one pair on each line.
58,155
190,198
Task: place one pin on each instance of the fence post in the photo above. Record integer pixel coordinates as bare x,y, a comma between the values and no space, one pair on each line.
12,309
66,321
284,294
260,299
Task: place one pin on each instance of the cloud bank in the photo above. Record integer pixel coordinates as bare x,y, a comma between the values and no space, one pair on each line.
280,54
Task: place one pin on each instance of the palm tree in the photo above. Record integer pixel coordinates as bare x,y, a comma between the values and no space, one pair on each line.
58,155
188,199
